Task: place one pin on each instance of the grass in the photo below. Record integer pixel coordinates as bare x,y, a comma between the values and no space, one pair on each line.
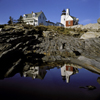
55,29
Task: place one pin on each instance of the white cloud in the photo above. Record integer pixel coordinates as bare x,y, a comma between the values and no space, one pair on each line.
86,21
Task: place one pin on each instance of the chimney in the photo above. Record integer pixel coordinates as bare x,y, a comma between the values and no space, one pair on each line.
67,12
32,12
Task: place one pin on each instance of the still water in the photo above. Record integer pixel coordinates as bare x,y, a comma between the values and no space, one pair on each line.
51,83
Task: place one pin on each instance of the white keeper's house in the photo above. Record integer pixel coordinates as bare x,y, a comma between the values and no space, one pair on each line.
35,18
39,18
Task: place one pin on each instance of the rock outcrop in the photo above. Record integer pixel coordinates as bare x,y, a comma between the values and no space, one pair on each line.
25,47
87,31
88,35
89,27
0,29
98,20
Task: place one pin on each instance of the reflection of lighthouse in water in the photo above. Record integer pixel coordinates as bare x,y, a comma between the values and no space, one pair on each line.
67,71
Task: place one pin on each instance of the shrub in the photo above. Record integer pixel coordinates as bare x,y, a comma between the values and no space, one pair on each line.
78,30
27,26
2,26
10,22
41,28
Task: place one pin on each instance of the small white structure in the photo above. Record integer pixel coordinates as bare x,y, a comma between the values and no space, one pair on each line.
49,23
59,24
67,19
35,72
67,71
35,18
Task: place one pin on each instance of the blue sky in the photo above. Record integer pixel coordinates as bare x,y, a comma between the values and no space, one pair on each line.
88,11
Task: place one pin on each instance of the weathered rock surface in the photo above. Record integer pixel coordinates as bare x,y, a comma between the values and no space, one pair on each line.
88,35
98,80
89,27
0,29
27,47
90,87
98,20
66,46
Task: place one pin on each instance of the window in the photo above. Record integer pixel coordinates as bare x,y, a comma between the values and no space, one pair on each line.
69,69
26,16
35,20
68,22
33,15
31,21
40,17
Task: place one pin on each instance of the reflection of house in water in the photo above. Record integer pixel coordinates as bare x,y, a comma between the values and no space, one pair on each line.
67,71
35,72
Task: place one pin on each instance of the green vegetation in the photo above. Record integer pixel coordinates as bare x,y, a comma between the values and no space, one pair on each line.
55,29
61,30
2,26
20,20
28,26
77,32
10,22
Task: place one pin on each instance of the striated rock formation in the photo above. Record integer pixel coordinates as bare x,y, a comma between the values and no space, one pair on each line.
89,27
22,47
88,35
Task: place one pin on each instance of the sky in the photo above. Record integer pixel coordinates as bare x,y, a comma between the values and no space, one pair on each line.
88,11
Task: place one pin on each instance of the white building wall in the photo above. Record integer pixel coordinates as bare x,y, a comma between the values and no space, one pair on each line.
68,74
67,12
32,21
63,19
41,19
69,18
49,23
63,70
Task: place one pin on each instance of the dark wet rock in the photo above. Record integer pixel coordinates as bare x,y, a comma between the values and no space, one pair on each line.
33,47
65,46
4,46
82,87
26,67
77,53
10,50
90,87
98,80
10,70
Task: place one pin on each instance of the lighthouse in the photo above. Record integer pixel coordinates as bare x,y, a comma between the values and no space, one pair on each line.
63,17
67,19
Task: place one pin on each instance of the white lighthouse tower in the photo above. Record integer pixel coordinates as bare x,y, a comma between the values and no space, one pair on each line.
63,17
67,12
67,19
